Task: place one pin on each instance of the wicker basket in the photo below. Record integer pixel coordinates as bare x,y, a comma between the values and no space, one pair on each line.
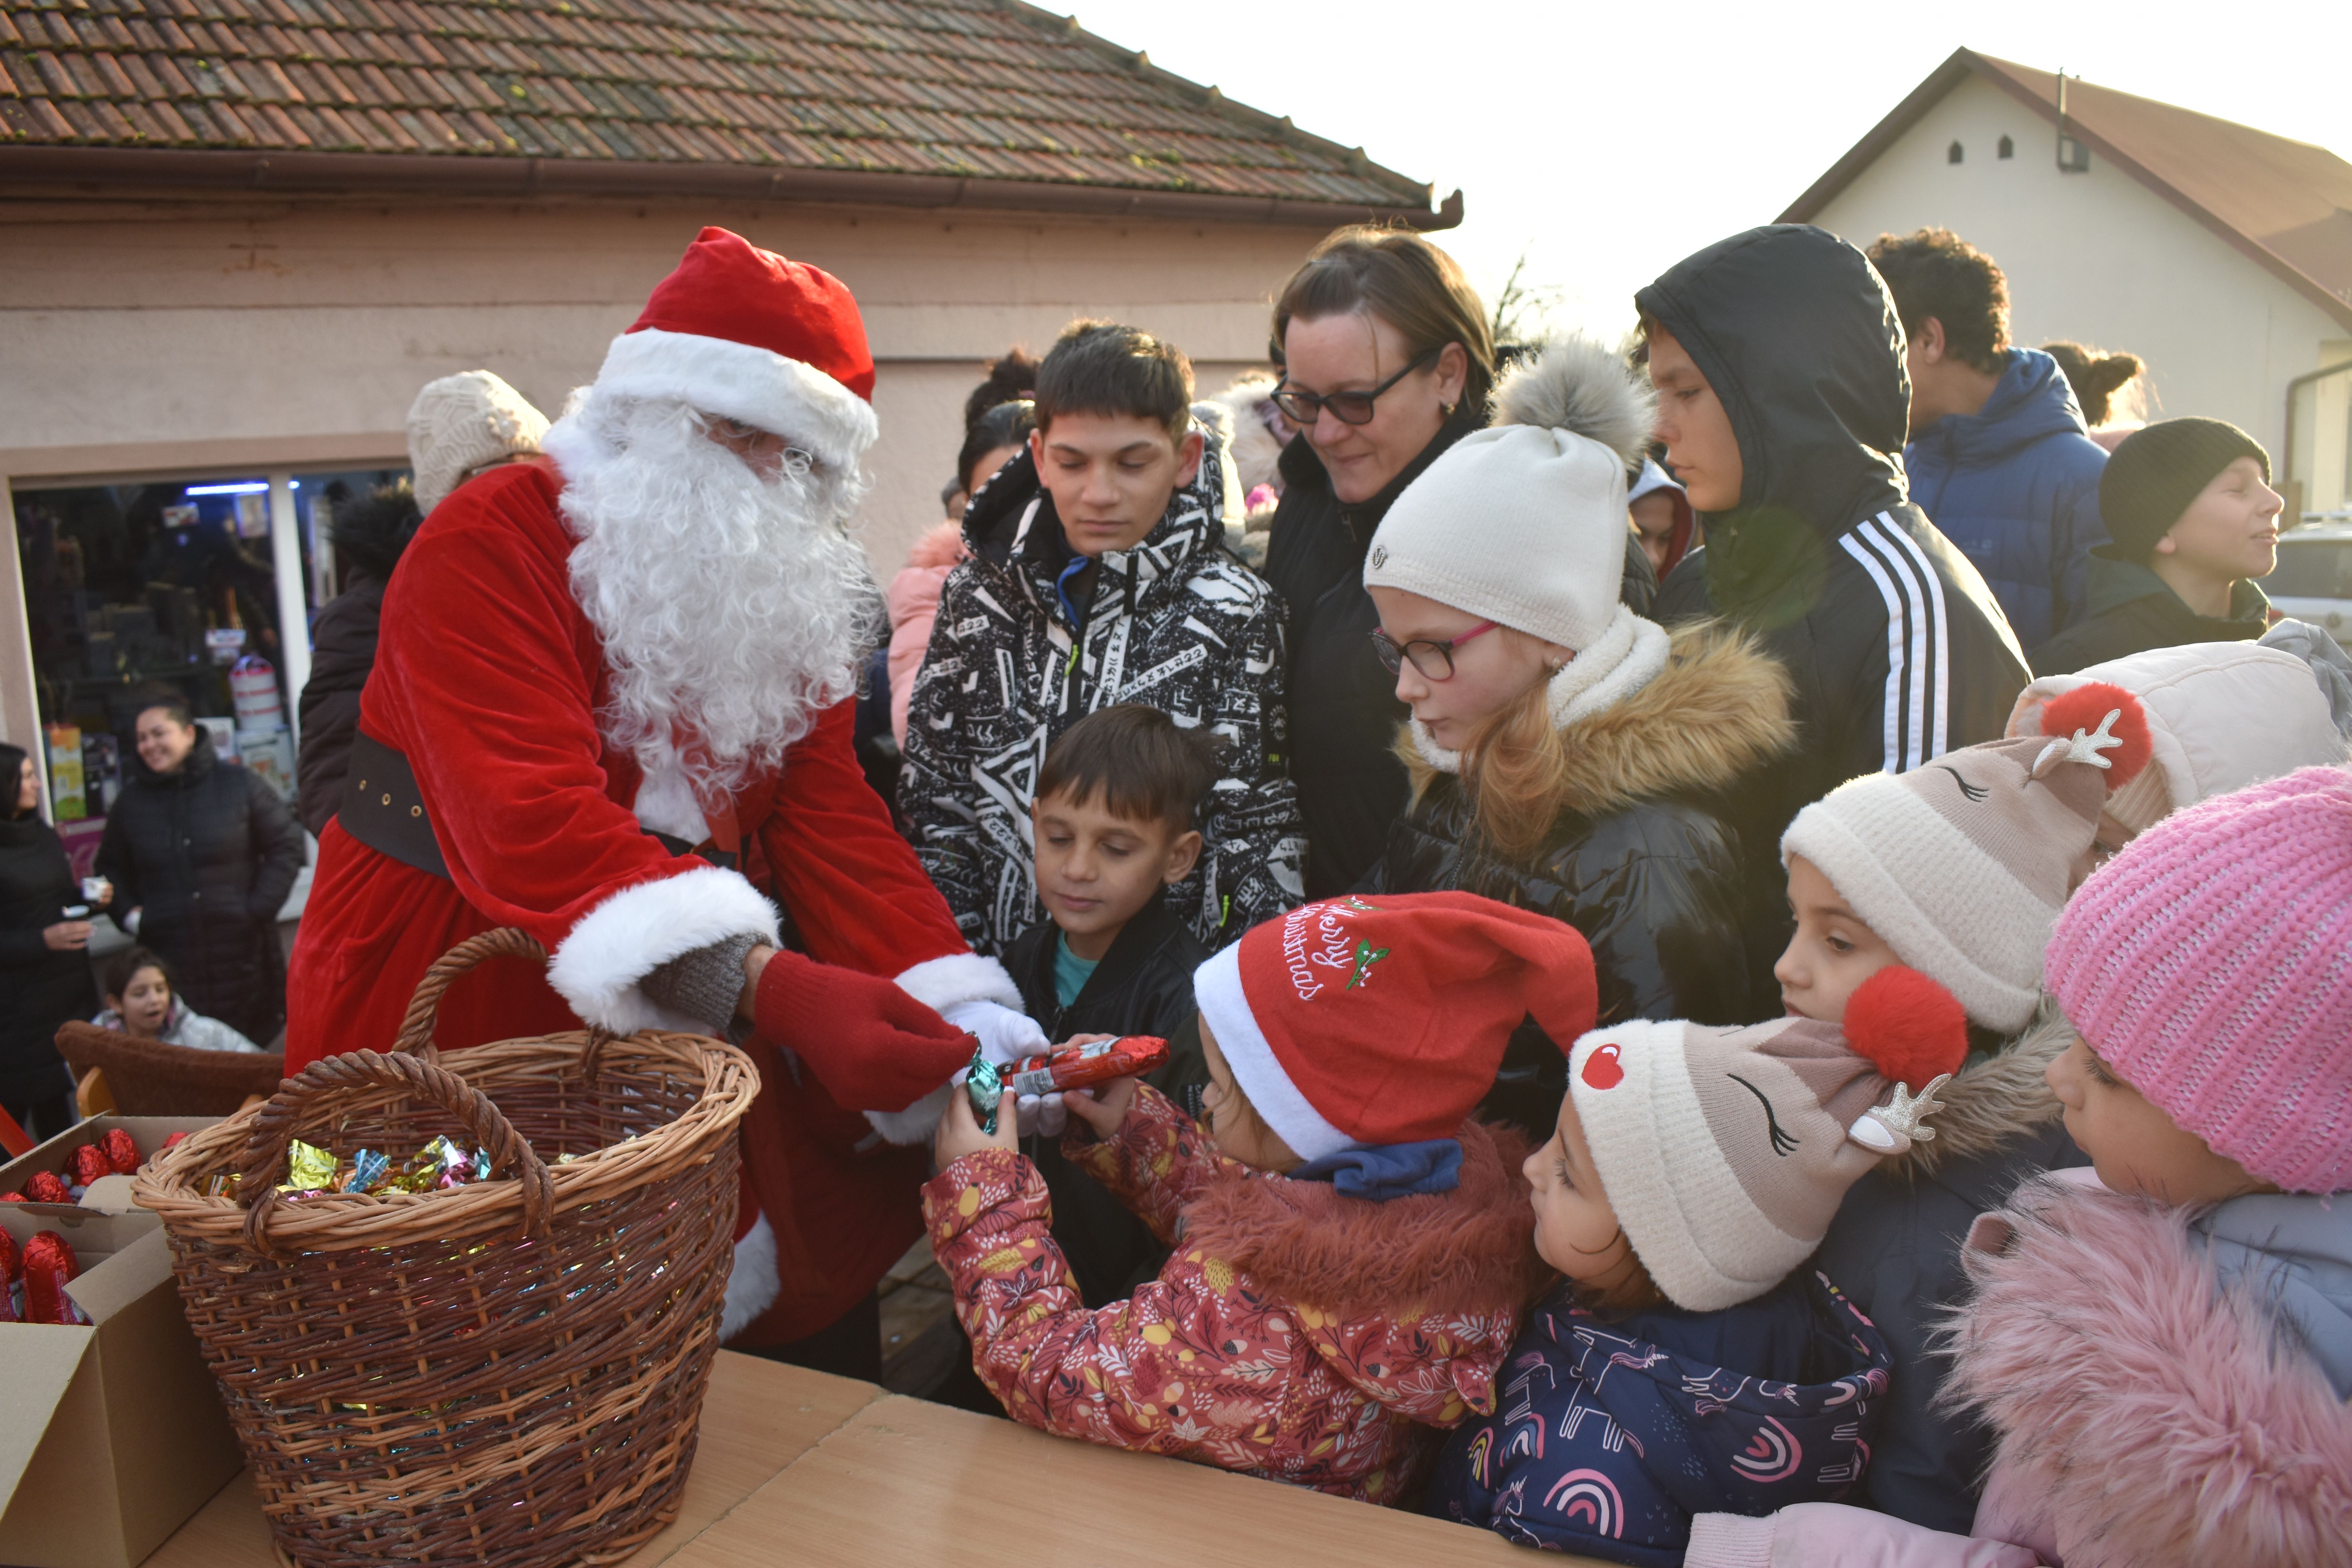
509,1373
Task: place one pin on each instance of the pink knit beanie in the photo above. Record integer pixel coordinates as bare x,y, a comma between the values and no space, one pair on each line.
2210,965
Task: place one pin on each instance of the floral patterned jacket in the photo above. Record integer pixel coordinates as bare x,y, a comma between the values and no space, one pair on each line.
1295,1334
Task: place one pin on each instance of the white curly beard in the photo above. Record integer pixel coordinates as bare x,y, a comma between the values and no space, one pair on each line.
733,609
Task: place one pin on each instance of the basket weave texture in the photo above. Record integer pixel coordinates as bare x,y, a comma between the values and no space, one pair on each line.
507,1372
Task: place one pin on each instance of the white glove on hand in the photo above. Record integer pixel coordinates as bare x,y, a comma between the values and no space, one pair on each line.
1006,1036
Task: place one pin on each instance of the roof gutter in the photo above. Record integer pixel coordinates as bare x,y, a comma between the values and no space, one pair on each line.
498,179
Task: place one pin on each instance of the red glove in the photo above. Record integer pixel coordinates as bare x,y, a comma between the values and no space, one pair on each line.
872,1046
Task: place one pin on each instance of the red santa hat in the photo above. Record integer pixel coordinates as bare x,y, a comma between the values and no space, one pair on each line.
741,332
1355,1023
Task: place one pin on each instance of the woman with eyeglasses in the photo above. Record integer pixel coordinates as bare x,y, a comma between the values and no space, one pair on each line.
1386,363
1566,754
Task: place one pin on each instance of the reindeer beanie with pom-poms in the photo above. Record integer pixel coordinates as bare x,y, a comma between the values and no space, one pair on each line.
1524,523
1961,866
1726,1153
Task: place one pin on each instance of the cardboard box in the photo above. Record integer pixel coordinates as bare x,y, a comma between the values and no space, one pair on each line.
113,1434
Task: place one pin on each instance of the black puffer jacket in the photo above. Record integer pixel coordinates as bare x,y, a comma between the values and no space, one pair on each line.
43,988
208,854
1898,649
1645,864
372,534
1343,708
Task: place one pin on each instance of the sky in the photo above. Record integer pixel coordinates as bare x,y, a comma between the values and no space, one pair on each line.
1603,143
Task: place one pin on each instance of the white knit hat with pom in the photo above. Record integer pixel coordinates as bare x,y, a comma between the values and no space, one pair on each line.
1524,524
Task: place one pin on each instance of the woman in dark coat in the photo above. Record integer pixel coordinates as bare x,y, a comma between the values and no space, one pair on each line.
371,533
202,857
42,963
1387,362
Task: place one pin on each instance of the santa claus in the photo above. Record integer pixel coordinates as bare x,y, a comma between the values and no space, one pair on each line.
612,706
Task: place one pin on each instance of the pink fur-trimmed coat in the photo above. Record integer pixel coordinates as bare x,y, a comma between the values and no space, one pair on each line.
1294,1334
914,600
2145,1418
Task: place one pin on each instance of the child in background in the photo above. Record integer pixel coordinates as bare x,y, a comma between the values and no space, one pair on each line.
1689,1361
2164,1350
140,1003
1956,869
1099,576
1353,1251
1114,825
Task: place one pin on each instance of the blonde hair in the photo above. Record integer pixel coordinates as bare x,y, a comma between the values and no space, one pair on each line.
1517,770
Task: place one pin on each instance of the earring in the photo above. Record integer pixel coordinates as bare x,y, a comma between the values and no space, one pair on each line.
1446,409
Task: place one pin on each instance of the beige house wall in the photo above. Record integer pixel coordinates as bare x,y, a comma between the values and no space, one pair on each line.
2099,258
227,334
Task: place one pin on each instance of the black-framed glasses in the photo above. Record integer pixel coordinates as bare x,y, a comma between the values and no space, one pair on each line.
1434,659
1303,408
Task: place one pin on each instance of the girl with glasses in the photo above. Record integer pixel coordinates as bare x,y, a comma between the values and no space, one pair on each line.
1565,755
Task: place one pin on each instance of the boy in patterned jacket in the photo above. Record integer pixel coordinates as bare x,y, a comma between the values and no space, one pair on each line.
1350,1248
1099,575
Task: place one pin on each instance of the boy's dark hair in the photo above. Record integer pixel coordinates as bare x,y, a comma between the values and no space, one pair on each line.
124,966
1137,759
1935,272
1102,367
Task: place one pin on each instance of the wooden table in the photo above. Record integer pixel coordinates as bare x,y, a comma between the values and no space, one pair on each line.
794,1466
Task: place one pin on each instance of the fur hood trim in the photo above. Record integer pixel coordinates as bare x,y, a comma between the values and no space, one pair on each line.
1579,383
2157,1418
1718,710
1995,1098
940,545
1469,1251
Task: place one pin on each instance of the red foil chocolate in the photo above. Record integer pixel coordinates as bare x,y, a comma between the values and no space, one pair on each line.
1083,1065
86,1164
49,1267
10,1265
121,1153
45,1187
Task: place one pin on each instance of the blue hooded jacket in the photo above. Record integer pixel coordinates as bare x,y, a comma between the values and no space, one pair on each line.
2016,486
1608,1436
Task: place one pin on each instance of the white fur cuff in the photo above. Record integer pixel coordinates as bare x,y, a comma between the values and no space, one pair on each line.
917,1122
939,983
616,945
751,1282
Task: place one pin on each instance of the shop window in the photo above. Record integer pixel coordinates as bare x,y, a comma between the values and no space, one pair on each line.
1955,155
2008,148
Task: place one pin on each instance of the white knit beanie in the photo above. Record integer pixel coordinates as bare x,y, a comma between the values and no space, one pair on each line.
1961,866
461,422
1524,524
2221,715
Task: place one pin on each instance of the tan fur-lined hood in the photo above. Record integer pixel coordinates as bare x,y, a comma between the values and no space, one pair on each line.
1994,1099
1719,708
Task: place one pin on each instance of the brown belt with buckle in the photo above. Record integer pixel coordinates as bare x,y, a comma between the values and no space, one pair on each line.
384,809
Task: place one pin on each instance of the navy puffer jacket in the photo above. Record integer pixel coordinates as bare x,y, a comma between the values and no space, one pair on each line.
2016,486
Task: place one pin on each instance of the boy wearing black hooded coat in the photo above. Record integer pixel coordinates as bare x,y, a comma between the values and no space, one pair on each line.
1898,651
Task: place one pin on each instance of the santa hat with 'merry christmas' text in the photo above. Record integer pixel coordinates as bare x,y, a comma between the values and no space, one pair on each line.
1960,866
1726,1153
1360,1023
742,333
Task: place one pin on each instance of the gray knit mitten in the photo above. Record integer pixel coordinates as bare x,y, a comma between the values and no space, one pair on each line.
703,985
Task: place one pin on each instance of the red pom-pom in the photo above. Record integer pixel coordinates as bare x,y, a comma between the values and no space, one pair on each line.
1907,1025
2085,709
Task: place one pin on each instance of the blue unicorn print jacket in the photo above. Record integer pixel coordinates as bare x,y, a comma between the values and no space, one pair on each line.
1609,1436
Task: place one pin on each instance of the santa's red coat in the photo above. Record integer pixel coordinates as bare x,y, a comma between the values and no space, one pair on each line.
488,679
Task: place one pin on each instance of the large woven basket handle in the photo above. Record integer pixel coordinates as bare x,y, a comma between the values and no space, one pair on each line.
415,1036
274,1124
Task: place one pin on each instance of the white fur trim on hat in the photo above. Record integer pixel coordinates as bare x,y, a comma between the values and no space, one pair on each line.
1225,1011
1946,906
1704,1240
751,1280
1629,656
616,946
737,381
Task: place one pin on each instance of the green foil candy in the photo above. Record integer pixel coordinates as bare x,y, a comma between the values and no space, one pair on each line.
986,1087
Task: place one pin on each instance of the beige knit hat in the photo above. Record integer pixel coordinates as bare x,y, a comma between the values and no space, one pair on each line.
461,422
2220,716
1962,865
1524,524
1726,1153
